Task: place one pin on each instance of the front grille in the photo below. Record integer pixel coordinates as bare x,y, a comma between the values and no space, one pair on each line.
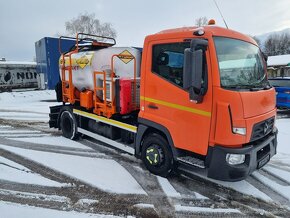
262,129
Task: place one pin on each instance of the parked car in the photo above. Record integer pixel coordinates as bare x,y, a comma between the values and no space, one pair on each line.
282,87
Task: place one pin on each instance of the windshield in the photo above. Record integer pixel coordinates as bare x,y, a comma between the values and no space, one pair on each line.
240,64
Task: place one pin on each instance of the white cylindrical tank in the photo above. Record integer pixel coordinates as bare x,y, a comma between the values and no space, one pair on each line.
85,63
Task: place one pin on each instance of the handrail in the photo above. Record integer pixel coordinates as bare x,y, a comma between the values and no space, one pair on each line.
78,39
59,42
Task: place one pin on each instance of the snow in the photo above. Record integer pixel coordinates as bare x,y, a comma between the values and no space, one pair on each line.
19,131
22,135
104,174
24,116
29,105
170,191
56,141
281,189
6,127
283,126
245,188
144,205
279,60
168,188
199,196
281,158
13,210
28,195
205,209
282,174
14,172
86,201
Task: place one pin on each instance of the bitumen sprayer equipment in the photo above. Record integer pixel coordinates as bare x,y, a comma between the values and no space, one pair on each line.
192,97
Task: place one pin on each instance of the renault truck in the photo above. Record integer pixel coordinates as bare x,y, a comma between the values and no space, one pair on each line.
193,96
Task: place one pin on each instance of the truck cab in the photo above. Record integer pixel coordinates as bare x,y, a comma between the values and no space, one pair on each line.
206,92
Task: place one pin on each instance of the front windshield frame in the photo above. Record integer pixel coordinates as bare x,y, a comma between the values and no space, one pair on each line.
240,64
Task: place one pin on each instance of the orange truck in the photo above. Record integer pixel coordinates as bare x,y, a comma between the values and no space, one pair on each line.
193,97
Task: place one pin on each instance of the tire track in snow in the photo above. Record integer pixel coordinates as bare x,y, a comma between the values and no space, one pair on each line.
38,168
110,202
214,193
223,197
276,197
274,177
151,186
52,148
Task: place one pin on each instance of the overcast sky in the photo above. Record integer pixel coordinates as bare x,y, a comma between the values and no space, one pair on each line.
22,23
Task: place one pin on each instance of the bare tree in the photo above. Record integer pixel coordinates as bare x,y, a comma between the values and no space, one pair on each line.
201,21
88,23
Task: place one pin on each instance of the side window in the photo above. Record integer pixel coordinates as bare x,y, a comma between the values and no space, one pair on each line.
167,61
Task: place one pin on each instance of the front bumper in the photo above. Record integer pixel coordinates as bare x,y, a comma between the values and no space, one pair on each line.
257,154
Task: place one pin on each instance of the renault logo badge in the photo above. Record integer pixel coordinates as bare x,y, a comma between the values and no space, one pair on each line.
266,127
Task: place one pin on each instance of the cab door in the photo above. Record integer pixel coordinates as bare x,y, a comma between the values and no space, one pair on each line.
164,101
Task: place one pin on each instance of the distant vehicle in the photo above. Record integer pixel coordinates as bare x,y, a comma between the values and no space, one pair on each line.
282,86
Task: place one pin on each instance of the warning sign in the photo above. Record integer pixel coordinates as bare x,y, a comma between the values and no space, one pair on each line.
126,56
83,61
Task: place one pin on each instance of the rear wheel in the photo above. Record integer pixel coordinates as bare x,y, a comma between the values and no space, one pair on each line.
68,125
157,155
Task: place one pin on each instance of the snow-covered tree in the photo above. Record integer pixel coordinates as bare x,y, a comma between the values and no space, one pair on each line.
277,44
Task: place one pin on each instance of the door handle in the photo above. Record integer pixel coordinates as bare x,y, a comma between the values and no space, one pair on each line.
152,106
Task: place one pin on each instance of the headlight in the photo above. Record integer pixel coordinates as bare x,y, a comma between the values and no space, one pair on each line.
239,130
235,159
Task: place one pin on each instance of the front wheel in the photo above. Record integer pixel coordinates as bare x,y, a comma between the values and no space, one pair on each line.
68,125
157,155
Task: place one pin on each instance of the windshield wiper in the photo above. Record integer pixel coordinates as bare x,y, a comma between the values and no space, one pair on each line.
249,87
238,86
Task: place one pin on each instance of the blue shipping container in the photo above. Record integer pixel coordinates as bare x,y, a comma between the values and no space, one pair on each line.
47,58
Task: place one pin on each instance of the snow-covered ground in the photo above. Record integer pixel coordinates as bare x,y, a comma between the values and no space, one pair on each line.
40,167
27,106
11,210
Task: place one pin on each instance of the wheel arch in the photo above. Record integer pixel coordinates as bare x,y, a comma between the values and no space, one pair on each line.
146,127
64,108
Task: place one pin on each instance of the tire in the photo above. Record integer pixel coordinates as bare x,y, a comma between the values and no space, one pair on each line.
156,155
68,125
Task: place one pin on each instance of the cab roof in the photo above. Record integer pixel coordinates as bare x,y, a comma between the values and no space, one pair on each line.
210,30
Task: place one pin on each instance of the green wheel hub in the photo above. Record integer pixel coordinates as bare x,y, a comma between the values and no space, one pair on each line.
154,155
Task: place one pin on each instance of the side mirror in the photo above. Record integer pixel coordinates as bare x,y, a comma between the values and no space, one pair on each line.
265,56
193,69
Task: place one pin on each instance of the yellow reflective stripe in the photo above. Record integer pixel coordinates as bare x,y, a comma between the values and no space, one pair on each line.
106,120
177,106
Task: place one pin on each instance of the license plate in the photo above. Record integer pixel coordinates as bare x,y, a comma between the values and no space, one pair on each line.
263,161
